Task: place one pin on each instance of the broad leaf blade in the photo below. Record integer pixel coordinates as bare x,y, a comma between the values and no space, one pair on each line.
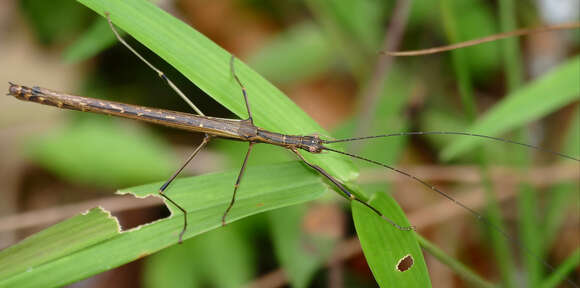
66,238
98,246
208,66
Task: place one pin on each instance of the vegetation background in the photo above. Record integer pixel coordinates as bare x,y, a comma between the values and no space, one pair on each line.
323,55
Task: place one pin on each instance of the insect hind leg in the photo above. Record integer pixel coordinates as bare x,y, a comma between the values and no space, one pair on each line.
159,72
232,69
238,180
163,187
351,196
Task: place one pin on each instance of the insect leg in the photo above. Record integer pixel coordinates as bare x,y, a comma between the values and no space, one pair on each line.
350,195
243,89
166,184
237,184
159,72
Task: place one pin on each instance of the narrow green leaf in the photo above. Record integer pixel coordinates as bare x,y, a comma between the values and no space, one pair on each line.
89,244
559,276
208,66
512,57
66,238
552,91
384,245
501,250
459,57
531,233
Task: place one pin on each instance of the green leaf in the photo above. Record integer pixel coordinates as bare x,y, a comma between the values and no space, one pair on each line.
559,276
66,238
556,89
89,244
384,245
208,66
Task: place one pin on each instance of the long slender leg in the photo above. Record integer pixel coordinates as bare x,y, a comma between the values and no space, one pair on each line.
350,195
159,72
243,89
166,184
237,184
241,174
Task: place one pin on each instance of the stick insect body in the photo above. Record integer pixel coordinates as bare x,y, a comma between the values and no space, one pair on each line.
242,130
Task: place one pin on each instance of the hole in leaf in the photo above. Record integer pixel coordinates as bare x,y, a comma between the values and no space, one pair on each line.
405,263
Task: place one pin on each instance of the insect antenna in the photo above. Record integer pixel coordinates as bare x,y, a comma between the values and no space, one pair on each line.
476,214
454,133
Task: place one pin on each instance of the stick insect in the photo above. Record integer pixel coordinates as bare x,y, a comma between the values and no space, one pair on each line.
242,130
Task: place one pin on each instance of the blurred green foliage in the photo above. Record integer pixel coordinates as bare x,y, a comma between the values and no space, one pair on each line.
54,21
101,152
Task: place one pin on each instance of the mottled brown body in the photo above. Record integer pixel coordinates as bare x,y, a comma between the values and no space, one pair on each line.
242,130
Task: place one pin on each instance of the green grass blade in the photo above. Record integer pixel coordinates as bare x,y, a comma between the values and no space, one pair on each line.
66,238
530,232
552,91
208,66
89,244
559,276
527,198
510,48
455,26
384,245
498,242
563,196
459,59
